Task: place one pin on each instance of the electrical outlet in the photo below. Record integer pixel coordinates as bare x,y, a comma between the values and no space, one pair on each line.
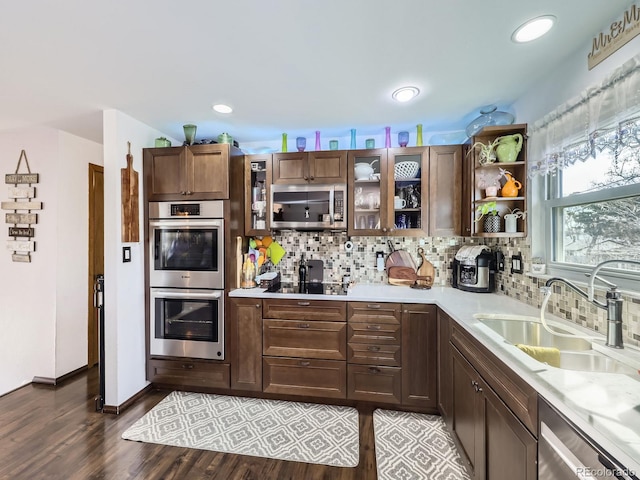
516,263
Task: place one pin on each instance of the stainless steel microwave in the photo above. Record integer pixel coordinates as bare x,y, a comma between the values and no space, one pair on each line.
309,207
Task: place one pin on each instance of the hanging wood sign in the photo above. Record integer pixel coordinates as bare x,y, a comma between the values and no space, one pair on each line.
619,33
22,200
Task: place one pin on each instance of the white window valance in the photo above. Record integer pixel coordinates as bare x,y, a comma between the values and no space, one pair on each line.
603,117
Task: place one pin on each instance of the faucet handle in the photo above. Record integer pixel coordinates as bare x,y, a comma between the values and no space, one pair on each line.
606,282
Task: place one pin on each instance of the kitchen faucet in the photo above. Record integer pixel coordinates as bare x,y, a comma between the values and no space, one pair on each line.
613,305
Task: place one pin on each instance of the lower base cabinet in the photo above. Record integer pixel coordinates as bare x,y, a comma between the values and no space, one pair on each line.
305,376
496,444
189,373
375,383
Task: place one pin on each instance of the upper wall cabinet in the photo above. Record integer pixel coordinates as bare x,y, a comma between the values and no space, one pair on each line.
310,167
196,172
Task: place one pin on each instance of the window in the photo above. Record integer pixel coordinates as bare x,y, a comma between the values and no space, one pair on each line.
592,211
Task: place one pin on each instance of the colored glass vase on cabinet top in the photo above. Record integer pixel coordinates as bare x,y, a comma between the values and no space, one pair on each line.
419,135
353,139
318,147
301,143
284,142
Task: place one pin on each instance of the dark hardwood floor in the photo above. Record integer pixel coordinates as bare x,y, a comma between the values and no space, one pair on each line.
55,433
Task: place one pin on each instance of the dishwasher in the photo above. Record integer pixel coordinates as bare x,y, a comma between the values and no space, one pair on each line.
565,453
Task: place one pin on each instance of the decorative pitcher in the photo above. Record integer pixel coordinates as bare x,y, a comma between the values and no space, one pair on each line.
511,187
508,147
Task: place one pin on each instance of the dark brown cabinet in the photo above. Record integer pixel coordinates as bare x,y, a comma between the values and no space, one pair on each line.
493,413
419,356
197,172
328,167
413,191
445,373
304,347
244,324
187,372
374,370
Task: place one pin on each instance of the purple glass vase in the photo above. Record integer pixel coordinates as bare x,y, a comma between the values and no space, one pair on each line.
387,137
318,140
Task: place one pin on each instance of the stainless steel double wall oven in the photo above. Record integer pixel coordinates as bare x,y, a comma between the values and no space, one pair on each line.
186,279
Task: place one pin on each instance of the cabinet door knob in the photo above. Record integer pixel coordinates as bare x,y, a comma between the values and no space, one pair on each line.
257,305
312,178
384,229
305,177
189,192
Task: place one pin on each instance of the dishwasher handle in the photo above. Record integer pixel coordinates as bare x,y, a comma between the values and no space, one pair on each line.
568,458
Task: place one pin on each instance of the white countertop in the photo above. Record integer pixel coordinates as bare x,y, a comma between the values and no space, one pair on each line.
606,406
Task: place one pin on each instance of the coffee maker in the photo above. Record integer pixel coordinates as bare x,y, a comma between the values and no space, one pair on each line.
474,269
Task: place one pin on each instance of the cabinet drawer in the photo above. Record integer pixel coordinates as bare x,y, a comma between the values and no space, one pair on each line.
305,339
301,376
328,311
189,373
368,354
378,333
374,384
359,312
519,396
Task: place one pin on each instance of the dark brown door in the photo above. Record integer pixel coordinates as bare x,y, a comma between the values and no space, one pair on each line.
96,253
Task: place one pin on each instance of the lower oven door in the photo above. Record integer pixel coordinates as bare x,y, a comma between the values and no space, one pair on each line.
187,323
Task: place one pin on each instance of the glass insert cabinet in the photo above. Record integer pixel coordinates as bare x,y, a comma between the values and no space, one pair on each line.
389,191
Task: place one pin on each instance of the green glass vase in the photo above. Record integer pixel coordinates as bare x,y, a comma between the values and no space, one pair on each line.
284,142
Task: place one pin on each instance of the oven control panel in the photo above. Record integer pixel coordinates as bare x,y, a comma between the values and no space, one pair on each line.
185,209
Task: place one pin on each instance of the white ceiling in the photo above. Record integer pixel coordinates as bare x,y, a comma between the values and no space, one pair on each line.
292,66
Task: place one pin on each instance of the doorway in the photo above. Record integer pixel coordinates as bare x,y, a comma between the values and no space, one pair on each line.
96,255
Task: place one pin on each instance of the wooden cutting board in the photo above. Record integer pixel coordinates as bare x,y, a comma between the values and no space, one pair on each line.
130,209
426,271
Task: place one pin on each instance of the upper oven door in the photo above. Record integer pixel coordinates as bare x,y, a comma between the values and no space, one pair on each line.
308,206
186,253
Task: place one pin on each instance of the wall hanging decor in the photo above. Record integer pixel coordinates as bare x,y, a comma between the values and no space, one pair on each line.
21,194
129,197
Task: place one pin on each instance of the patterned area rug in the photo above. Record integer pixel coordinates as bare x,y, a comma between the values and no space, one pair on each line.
301,432
414,446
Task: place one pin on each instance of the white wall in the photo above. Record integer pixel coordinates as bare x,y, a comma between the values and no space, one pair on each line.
33,295
124,282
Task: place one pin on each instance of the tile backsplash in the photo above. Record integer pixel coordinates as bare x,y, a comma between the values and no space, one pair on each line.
360,264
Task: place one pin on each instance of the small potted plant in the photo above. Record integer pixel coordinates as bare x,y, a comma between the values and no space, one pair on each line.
487,151
489,181
489,211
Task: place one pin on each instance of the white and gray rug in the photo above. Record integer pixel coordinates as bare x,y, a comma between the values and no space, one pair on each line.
301,432
414,446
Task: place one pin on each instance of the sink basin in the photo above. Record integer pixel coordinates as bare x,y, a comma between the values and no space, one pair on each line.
576,353
593,362
529,331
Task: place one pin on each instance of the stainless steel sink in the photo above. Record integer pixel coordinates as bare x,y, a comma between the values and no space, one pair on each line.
529,331
576,353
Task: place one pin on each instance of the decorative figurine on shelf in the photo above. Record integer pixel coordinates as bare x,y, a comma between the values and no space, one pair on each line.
511,186
508,147
412,196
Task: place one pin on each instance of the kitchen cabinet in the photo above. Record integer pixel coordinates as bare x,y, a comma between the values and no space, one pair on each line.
445,371
304,347
323,167
413,191
494,413
374,362
244,324
419,356
257,194
196,172
478,175
188,373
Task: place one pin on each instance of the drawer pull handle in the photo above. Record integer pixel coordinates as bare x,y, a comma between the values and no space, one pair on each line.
373,327
373,305
187,366
303,325
304,304
374,369
304,364
373,348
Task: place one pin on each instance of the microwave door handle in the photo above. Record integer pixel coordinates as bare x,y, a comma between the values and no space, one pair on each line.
331,205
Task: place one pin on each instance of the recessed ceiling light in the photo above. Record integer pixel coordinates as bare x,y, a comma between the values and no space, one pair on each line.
534,28
405,94
222,108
